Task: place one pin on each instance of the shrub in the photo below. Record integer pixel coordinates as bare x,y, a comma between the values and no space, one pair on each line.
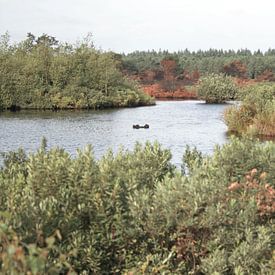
256,114
259,92
17,257
134,213
216,88
264,122
44,74
86,201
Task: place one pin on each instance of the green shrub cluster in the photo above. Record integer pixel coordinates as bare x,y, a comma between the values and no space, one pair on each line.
135,213
216,88
41,73
256,114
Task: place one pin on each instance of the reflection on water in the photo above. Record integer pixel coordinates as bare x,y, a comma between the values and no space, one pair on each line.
173,123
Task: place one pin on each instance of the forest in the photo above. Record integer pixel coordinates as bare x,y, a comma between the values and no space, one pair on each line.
188,66
166,74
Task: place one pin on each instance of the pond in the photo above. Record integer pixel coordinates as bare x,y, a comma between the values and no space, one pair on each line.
174,124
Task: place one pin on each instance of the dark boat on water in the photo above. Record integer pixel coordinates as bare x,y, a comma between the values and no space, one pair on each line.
137,126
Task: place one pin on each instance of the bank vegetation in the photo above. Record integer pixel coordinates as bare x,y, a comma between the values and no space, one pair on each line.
135,213
42,73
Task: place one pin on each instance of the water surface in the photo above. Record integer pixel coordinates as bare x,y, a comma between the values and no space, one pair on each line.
173,123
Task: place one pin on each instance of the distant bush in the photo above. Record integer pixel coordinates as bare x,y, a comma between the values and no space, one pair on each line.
256,114
216,88
134,213
260,92
41,73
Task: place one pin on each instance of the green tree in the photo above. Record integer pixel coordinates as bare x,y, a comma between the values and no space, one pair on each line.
41,73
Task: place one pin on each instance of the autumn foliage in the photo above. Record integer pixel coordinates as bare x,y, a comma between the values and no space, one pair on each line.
236,69
157,91
254,183
267,75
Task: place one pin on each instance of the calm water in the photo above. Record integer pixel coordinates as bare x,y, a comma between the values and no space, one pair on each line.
173,123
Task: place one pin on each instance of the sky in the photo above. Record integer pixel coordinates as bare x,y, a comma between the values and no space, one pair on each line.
128,25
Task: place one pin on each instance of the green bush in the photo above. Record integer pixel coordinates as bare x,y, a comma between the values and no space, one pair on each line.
134,213
260,91
41,73
256,114
216,88
264,121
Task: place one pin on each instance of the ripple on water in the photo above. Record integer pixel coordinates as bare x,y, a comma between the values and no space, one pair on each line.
173,123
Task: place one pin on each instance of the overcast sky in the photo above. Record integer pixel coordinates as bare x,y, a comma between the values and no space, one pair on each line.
128,25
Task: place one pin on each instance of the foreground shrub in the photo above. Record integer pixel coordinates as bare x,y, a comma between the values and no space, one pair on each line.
17,257
216,89
134,213
86,201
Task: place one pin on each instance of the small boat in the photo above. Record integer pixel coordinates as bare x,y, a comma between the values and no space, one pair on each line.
137,126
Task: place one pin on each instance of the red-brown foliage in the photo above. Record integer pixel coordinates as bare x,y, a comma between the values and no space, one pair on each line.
169,68
267,75
243,82
191,246
190,78
169,74
150,76
195,76
263,193
157,91
235,68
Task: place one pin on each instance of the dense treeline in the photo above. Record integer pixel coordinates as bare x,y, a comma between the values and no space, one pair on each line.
42,73
134,213
189,65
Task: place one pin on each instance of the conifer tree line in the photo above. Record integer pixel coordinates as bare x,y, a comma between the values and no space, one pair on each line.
42,73
188,65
